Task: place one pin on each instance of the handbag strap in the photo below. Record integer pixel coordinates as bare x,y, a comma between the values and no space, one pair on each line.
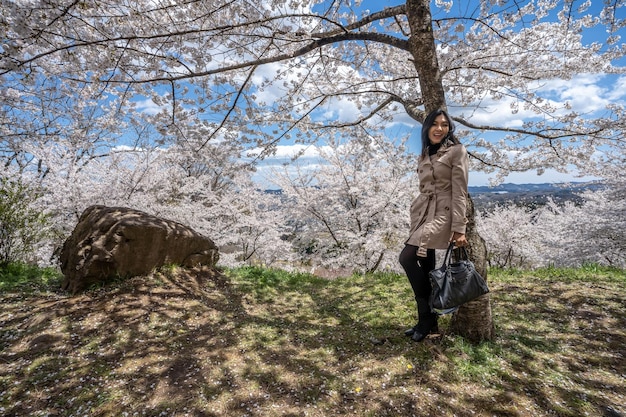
447,258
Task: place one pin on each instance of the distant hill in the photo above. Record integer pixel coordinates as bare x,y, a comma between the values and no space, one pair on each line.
532,195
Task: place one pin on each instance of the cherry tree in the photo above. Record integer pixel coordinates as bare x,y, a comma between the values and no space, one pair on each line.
22,225
206,190
512,236
353,205
262,73
571,233
603,239
589,232
240,67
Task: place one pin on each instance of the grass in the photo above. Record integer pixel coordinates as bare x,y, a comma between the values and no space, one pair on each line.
261,342
27,278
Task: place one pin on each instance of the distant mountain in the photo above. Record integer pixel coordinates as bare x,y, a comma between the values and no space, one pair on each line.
532,195
522,188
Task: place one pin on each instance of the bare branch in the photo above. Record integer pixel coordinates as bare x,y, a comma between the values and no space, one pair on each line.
230,110
383,14
548,134
362,119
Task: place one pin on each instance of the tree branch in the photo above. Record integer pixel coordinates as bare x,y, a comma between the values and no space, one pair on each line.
539,134
230,110
383,14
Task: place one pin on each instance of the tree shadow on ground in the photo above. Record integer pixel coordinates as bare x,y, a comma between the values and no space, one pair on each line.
192,342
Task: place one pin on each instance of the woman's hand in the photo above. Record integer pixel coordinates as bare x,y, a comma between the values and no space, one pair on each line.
459,239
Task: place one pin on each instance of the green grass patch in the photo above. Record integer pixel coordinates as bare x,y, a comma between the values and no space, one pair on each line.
27,278
586,273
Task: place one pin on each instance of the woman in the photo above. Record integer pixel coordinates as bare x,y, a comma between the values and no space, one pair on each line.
437,214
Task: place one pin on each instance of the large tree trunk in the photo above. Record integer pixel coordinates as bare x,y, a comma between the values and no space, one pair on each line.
473,320
424,51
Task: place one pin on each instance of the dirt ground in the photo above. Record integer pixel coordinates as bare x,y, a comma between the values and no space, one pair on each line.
193,343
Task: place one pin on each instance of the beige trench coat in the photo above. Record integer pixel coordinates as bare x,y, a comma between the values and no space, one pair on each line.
440,208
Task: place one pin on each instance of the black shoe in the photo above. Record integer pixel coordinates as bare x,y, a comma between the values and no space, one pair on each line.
409,332
427,320
420,333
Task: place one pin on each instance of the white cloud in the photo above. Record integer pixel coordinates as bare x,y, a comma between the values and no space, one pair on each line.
265,175
495,113
585,93
342,110
308,159
287,153
337,108
617,92
148,106
529,177
271,92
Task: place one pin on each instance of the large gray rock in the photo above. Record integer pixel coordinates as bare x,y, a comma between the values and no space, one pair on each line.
112,242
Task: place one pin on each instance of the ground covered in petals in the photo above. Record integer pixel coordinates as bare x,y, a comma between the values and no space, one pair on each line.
259,342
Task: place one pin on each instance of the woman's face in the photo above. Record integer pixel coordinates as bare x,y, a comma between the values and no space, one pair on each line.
438,130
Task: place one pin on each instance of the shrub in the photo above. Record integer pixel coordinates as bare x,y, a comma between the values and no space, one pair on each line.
22,225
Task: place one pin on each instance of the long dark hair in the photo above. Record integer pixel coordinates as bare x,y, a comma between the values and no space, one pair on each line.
429,121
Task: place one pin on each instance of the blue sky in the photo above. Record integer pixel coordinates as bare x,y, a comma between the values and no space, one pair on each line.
586,92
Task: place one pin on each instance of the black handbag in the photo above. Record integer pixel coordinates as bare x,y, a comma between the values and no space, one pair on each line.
455,283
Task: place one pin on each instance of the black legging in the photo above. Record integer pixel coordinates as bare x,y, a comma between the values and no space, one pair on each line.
417,269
